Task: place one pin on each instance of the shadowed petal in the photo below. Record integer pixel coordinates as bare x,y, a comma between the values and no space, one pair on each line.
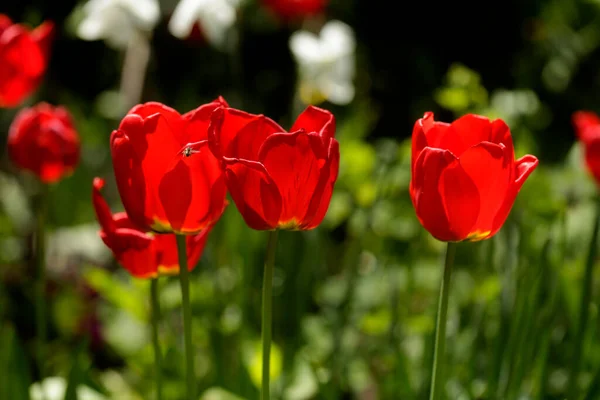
587,125
138,203
319,204
237,134
489,168
254,192
197,121
294,161
523,167
425,192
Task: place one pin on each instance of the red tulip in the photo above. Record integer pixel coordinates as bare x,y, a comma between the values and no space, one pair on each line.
587,128
23,59
277,179
43,140
290,9
167,178
143,254
464,176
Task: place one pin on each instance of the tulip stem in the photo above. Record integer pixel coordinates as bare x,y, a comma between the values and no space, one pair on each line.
437,378
267,315
155,342
187,315
40,283
584,308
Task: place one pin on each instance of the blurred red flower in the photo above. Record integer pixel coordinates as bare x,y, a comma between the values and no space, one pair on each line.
24,57
42,139
295,9
168,179
144,255
464,178
277,179
587,129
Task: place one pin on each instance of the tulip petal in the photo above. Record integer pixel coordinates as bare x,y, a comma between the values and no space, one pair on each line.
43,36
425,192
197,121
193,192
419,140
592,157
501,135
103,213
130,180
489,168
523,167
319,204
315,119
237,134
586,124
175,194
294,161
134,251
463,134
22,66
254,192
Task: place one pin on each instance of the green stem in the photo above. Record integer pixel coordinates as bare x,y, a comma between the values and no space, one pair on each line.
187,315
437,378
40,282
584,308
267,315
155,318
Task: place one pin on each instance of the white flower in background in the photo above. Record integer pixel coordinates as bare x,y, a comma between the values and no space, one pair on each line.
325,63
215,18
117,21
55,388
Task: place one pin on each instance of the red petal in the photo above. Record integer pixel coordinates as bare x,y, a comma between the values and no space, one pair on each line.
193,192
138,202
489,167
523,167
587,125
419,140
134,251
501,135
294,161
322,197
103,213
198,120
255,194
237,134
315,119
425,192
5,22
464,133
43,36
22,65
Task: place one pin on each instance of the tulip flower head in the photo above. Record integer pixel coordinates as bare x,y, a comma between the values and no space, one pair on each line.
464,178
325,63
24,58
214,17
168,179
42,139
277,179
117,21
587,128
143,254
